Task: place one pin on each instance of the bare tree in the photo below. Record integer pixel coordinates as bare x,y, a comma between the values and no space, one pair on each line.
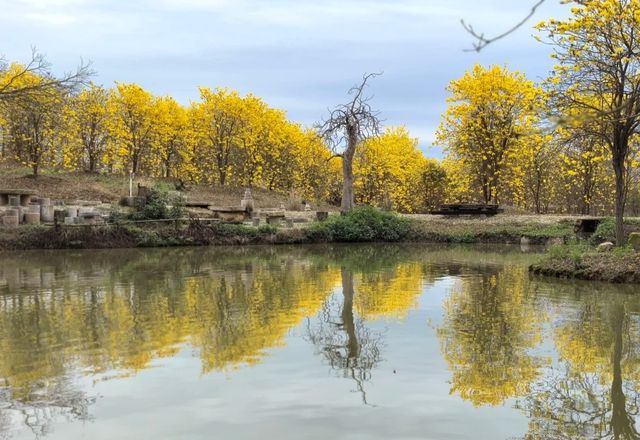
12,87
347,126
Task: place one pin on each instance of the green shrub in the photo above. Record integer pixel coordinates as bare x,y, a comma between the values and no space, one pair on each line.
160,206
267,229
606,231
362,224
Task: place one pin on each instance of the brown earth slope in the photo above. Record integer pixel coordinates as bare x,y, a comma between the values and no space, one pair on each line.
70,186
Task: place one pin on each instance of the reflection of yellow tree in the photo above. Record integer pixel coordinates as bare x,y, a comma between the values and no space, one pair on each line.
246,318
389,293
594,394
489,329
231,312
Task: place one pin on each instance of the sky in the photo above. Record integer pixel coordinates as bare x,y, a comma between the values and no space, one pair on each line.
298,55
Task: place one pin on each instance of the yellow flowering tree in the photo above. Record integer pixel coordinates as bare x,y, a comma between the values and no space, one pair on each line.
388,170
598,74
86,118
491,111
169,146
132,126
32,119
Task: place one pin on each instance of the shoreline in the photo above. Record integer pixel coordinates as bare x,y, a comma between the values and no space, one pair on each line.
122,236
613,267
562,261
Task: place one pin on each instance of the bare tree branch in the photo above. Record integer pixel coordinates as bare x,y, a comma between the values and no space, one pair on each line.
483,41
11,87
346,127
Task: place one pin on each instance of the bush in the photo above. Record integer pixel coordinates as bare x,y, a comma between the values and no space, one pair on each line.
361,224
606,231
160,206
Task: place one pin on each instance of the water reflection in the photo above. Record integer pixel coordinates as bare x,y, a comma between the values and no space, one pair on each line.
491,326
593,390
344,340
563,355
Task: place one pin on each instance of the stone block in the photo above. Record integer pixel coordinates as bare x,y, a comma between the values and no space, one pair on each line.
14,200
275,220
33,209
32,218
256,221
12,212
44,201
85,210
634,241
10,221
72,211
21,211
70,220
47,213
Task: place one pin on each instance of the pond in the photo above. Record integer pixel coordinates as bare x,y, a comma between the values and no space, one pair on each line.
328,342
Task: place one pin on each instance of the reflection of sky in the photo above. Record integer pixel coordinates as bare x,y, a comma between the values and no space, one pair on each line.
293,394
301,55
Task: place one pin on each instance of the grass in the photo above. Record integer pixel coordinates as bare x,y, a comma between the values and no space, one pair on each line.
487,232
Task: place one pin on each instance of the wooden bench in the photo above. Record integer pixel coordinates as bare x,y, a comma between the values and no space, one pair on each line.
456,209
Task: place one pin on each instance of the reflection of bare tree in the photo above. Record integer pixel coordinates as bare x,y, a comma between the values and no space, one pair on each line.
348,345
43,407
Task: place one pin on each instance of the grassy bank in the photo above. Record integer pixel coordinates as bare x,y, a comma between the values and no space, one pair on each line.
361,225
584,262
507,230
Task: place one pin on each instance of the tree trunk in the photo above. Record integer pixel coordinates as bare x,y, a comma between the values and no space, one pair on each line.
353,346
134,163
347,185
622,423
619,167
348,199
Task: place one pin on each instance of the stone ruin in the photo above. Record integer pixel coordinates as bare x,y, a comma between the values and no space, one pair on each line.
24,207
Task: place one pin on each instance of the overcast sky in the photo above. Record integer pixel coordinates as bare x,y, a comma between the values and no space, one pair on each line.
300,55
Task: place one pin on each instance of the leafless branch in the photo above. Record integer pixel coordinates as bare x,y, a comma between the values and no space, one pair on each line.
483,41
356,117
11,87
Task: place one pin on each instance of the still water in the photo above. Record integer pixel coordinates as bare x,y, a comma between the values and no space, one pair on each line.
339,342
